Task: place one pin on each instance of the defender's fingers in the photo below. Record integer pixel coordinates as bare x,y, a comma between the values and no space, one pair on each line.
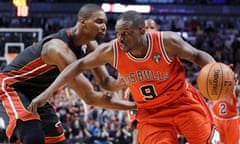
30,107
33,108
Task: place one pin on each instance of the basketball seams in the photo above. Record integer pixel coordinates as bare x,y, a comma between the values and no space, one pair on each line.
222,74
207,83
229,74
214,81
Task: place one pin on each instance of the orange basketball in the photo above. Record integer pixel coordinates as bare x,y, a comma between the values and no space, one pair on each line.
215,81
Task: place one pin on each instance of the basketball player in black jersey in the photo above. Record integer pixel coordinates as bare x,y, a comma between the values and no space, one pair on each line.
33,70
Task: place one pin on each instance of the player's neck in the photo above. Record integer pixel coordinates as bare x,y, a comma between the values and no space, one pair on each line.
141,49
79,38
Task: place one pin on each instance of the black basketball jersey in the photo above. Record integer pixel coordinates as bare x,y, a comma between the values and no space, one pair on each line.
29,74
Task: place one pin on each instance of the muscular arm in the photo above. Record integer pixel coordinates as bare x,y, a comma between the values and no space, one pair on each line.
102,55
109,83
102,76
176,46
56,52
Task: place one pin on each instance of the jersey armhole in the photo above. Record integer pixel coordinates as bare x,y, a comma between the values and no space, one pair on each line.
115,54
162,48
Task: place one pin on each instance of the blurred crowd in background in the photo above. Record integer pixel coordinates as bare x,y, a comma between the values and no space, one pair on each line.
148,1
219,36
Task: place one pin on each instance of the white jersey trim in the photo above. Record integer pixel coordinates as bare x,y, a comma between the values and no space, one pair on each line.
223,119
165,56
15,76
149,40
115,54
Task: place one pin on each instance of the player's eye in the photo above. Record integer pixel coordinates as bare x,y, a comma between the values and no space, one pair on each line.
125,33
100,21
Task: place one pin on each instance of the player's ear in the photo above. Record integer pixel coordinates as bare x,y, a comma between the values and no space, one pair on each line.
81,21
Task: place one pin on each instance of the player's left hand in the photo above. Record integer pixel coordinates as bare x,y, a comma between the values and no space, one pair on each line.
37,102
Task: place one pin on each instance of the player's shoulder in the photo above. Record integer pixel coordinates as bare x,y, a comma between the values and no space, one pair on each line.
60,38
55,50
171,37
169,34
54,44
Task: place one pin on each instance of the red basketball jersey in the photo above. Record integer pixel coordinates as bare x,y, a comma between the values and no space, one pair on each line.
226,108
155,80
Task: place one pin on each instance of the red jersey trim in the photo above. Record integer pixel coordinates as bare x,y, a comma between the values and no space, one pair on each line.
56,139
24,73
14,109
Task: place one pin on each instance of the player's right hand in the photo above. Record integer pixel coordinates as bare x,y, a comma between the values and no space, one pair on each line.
37,102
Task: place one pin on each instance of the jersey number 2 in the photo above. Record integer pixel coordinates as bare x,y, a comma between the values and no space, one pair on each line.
223,108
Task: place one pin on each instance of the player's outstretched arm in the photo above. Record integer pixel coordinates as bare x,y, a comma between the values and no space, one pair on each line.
100,99
103,54
176,46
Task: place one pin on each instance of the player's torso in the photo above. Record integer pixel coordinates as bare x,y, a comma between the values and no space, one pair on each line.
154,79
29,73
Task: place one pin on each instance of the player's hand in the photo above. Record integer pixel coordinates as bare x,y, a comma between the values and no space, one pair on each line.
37,102
235,74
231,66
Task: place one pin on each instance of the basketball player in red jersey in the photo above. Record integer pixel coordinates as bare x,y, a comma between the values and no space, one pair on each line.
33,70
150,25
149,62
226,117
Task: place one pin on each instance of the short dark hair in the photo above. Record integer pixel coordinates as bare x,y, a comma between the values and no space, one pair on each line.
87,10
134,17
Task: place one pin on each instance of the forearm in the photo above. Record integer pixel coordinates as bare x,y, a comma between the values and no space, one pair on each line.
68,74
203,58
120,104
102,99
112,84
106,81
106,100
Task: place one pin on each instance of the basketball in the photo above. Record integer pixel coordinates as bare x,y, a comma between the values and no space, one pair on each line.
215,81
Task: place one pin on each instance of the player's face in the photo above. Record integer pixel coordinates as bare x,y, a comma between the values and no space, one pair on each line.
127,35
96,25
150,25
